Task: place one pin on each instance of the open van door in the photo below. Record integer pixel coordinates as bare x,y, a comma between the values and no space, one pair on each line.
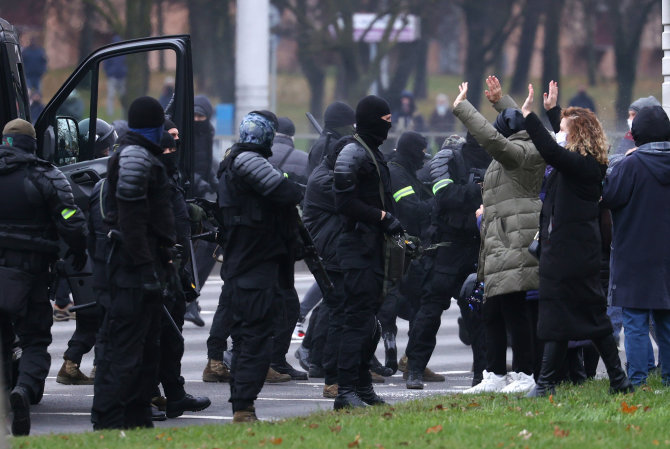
13,90
90,94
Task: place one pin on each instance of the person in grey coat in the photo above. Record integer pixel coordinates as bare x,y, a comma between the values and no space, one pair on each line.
284,155
639,262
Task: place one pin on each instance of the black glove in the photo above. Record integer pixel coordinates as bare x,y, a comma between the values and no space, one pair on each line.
391,225
79,259
151,286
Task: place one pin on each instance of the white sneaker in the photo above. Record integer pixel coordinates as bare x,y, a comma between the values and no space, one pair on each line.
491,383
299,330
520,383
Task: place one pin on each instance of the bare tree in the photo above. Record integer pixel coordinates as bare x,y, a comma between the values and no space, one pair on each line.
489,24
628,20
525,48
551,56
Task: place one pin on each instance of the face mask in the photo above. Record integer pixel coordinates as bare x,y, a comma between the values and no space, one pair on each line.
561,138
630,123
170,161
441,109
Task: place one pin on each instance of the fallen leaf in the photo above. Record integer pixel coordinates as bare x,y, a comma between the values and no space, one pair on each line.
335,429
525,434
169,438
655,442
160,436
646,409
500,444
625,408
439,407
560,433
404,443
379,446
275,441
551,398
102,437
388,415
633,427
355,442
434,429
473,404
313,426
65,437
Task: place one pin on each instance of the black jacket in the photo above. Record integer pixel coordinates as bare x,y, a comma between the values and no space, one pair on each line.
37,205
413,200
258,206
324,144
320,214
138,200
204,168
572,301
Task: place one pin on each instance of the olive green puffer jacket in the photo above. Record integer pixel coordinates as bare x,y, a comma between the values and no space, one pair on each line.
511,204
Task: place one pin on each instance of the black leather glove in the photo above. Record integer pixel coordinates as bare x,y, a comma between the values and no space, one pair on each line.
79,259
151,286
391,225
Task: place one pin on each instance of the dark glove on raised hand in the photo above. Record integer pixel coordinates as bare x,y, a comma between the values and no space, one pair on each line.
151,286
79,259
391,225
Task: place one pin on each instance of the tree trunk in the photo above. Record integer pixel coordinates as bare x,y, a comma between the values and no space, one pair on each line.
475,65
526,46
591,58
138,24
87,32
551,58
421,73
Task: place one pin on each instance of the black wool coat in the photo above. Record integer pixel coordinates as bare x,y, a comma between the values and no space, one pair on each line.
572,302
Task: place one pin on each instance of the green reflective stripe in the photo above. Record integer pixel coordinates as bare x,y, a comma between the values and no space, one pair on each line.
285,175
400,194
440,184
67,213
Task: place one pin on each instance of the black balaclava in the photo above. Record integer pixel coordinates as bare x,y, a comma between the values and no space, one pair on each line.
369,123
474,155
169,160
509,121
410,149
650,124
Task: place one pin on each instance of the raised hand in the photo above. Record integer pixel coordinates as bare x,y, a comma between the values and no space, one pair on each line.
494,92
550,99
463,93
527,107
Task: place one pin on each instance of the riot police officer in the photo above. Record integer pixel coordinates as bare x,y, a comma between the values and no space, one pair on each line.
142,221
256,202
39,209
363,198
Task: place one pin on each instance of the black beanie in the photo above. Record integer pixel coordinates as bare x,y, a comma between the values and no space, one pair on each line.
339,114
145,112
285,126
168,125
509,121
650,124
411,143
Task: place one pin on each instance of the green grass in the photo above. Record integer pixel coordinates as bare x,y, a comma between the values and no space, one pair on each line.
577,417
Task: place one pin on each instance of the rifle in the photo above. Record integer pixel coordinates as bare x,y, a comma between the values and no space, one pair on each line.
313,260
313,122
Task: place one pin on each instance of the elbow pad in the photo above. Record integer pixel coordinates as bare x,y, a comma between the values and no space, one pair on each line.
257,172
439,165
347,165
134,173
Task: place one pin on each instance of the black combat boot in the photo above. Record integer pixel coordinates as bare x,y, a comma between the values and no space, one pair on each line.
391,349
368,395
552,361
347,398
286,368
192,314
619,382
377,367
186,404
414,380
19,400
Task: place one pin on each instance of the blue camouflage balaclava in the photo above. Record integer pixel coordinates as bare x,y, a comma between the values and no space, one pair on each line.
258,129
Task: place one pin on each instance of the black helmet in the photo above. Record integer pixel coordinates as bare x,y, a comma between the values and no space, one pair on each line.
105,136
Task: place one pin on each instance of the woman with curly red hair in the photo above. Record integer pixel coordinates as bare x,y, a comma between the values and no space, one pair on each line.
572,302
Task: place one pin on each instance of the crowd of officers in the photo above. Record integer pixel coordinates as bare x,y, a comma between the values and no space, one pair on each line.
358,205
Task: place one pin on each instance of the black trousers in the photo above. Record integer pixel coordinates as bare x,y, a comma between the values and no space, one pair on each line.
503,313
288,311
363,296
333,305
128,363
217,342
318,334
25,312
475,326
172,350
84,336
423,334
253,307
204,261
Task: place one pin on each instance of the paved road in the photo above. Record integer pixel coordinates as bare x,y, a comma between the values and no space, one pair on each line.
66,409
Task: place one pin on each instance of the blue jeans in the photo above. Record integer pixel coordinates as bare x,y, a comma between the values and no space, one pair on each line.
638,344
